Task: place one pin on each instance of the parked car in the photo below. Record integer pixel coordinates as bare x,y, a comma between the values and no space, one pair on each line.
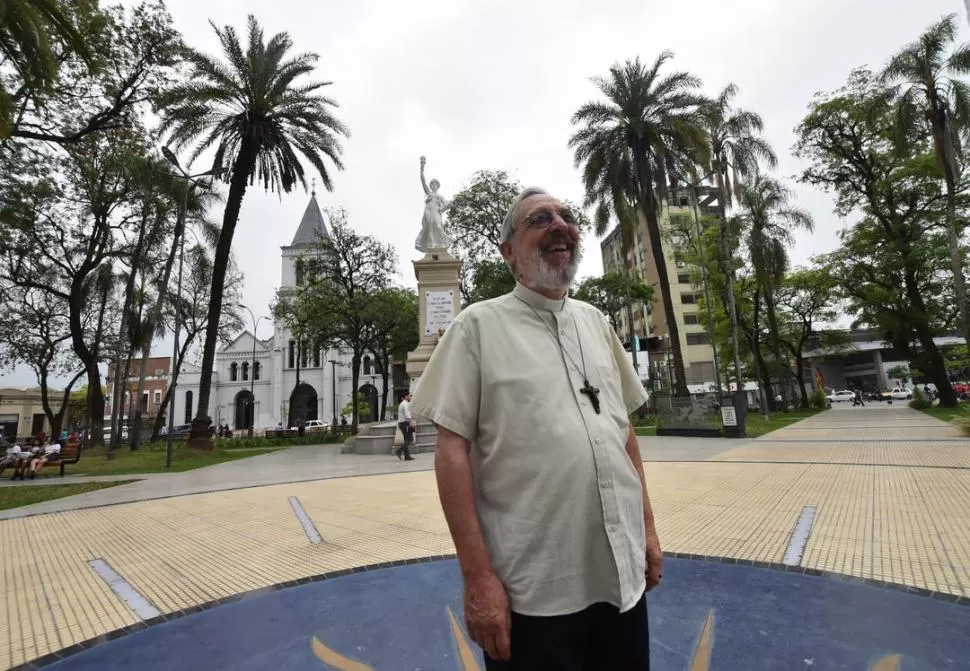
314,426
901,393
179,430
844,395
107,433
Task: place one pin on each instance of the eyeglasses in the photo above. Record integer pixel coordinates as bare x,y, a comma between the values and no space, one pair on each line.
543,218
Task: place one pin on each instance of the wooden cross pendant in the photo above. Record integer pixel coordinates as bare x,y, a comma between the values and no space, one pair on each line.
593,394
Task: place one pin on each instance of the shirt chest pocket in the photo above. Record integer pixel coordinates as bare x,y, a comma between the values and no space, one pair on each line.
611,390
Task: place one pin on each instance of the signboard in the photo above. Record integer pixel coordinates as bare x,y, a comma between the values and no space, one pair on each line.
729,416
439,310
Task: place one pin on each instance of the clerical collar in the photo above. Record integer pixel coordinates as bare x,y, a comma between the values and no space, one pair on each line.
537,300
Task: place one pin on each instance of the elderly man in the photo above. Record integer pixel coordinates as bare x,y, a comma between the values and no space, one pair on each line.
538,468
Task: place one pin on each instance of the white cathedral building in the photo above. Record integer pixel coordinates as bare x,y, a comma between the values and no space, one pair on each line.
325,374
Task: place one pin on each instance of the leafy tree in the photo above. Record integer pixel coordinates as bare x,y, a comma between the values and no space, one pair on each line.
36,333
65,218
476,214
490,278
346,275
125,59
770,220
888,265
933,103
30,32
192,306
735,148
805,308
612,292
474,222
358,405
160,190
647,116
395,332
259,118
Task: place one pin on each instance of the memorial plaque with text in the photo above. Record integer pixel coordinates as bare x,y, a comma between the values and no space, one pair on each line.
439,310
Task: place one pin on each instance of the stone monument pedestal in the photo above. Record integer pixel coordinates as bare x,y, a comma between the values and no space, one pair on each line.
439,300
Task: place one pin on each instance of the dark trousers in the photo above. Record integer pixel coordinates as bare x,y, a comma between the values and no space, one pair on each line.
599,638
408,433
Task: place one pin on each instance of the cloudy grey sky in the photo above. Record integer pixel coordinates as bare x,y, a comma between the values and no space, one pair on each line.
492,85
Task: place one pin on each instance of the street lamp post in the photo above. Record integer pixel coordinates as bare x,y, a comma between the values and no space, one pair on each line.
333,377
252,370
180,232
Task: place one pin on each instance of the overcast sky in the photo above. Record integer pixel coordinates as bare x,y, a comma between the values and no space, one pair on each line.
493,84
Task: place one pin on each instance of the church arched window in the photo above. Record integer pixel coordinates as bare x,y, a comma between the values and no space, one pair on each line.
256,368
245,371
300,272
233,372
367,366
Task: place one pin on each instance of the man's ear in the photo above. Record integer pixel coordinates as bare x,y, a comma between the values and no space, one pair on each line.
506,249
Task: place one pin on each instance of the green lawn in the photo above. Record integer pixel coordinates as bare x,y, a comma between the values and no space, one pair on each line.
152,459
961,412
24,495
756,425
948,414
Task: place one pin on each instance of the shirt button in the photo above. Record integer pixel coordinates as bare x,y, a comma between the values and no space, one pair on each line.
599,441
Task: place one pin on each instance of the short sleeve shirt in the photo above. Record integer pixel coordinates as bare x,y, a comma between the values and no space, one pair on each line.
558,498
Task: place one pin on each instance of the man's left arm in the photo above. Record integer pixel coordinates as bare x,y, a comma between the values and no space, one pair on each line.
654,553
634,396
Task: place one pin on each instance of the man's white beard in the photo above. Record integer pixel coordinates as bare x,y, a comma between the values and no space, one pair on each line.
555,279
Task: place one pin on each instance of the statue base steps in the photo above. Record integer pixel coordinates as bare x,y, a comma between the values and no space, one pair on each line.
379,439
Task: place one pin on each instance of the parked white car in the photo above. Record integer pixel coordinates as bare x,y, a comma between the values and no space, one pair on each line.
901,393
314,426
844,395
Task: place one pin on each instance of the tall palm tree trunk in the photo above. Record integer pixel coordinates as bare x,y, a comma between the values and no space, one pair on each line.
153,317
241,170
956,258
727,262
627,266
648,206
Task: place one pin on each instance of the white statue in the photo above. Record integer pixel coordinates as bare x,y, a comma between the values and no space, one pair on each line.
432,234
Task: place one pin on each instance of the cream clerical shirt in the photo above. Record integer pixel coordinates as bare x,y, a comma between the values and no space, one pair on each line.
559,501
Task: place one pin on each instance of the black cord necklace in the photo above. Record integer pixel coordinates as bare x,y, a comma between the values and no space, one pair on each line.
587,389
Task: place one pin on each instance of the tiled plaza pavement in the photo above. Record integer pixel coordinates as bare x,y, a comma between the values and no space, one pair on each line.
889,507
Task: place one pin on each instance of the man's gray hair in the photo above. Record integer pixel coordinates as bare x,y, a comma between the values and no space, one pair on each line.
508,225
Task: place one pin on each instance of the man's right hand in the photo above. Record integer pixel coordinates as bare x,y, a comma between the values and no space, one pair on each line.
487,615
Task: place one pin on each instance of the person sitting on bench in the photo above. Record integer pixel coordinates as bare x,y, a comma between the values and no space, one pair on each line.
50,453
12,458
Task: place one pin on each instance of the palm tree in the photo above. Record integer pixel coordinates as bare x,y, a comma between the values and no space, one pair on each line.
611,190
935,102
644,119
771,222
259,119
735,147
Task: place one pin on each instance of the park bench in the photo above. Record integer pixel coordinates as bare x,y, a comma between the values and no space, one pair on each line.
70,454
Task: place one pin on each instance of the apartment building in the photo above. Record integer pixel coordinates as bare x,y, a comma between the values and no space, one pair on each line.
650,321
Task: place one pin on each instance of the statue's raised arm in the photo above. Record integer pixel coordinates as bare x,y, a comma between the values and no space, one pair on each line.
424,184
